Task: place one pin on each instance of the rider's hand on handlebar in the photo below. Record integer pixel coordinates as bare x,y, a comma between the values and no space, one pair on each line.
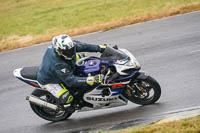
97,79
102,47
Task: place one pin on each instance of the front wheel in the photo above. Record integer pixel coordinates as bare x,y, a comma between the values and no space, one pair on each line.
143,91
46,113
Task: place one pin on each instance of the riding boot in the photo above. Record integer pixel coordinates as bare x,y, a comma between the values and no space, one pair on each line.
65,98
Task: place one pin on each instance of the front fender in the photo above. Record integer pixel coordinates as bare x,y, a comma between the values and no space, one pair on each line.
141,75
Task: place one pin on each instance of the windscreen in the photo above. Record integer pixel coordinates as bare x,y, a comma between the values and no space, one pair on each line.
113,54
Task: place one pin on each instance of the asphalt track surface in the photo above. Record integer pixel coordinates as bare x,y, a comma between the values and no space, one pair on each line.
168,49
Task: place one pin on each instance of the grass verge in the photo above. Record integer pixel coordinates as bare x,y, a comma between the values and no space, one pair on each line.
27,22
190,125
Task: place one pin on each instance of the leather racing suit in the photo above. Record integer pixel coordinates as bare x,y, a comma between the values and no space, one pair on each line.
55,70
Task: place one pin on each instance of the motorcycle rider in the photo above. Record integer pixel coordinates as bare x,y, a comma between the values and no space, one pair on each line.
58,66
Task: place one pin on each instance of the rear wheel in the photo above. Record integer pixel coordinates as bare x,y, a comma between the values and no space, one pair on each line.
46,113
143,91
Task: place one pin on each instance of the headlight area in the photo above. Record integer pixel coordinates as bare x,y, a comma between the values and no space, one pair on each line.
132,61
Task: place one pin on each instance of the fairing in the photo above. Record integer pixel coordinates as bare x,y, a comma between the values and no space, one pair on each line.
114,99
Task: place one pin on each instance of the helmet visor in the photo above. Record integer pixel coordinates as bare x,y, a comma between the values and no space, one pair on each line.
68,52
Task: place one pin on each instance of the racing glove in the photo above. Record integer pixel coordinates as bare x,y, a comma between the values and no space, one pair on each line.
97,79
102,48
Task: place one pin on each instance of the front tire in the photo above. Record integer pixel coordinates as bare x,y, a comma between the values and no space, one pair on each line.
46,113
143,91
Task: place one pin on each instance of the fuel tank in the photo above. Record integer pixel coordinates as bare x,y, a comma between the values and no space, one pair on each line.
87,66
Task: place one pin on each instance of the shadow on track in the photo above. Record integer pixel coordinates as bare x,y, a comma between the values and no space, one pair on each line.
102,120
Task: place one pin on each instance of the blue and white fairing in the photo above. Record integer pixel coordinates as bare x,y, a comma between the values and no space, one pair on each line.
98,101
121,60
126,64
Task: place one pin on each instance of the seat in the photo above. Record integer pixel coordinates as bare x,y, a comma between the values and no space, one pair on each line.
30,72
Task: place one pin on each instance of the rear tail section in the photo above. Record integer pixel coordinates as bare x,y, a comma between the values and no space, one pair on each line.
28,75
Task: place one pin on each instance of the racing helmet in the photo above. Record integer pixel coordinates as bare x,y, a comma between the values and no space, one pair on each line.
64,46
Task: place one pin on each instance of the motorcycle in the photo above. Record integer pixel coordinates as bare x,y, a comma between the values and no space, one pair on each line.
122,82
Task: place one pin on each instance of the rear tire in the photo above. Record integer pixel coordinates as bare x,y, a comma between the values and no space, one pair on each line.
46,113
140,89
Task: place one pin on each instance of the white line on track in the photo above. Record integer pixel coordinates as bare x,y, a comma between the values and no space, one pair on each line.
195,51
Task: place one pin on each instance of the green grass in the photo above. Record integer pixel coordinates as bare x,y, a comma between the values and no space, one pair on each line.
35,18
22,17
191,125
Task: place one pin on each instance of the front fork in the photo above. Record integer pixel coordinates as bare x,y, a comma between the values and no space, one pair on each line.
129,90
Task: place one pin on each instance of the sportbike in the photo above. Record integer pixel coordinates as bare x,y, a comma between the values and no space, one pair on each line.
122,82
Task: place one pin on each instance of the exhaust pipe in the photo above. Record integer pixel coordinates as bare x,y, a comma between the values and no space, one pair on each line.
38,101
